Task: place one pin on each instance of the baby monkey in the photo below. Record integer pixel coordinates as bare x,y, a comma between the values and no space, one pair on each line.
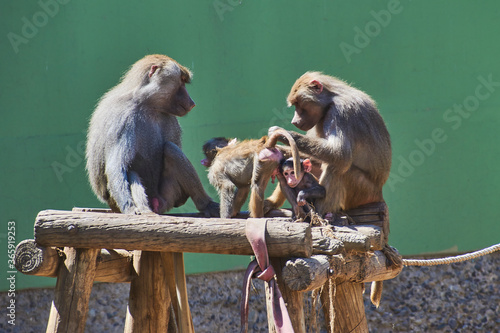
237,169
302,190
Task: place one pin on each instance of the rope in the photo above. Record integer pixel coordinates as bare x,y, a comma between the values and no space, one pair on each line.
451,260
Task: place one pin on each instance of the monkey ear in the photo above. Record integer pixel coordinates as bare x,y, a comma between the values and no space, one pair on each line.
307,165
316,86
152,70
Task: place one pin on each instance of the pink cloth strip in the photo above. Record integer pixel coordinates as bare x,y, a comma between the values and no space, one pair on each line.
261,269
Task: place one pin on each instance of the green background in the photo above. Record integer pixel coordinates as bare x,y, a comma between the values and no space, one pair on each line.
416,59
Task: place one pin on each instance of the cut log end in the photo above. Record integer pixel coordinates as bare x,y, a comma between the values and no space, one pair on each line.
32,259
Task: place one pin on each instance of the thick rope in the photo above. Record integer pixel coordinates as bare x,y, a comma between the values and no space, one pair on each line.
451,260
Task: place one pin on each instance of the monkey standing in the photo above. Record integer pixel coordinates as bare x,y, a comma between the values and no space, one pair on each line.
134,157
246,165
346,132
304,188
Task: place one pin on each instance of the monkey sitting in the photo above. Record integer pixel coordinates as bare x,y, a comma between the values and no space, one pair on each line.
303,188
134,153
246,166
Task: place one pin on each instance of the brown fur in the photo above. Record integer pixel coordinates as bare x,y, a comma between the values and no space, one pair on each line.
346,132
240,166
307,189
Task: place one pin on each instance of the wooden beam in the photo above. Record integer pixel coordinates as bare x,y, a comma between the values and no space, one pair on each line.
149,301
306,274
294,300
34,259
285,213
74,284
153,232
349,309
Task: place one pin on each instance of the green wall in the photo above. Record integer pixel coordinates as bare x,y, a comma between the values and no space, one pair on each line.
421,61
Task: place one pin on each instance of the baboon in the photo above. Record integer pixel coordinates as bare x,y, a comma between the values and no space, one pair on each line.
346,132
305,188
246,166
134,158
211,147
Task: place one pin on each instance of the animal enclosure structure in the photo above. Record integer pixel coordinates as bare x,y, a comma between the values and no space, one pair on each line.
86,245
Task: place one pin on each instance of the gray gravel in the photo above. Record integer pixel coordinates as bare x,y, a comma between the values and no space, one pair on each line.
462,297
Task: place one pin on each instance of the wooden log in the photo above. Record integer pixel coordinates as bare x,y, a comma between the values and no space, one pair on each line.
115,266
149,301
294,300
74,284
349,309
176,280
360,238
153,232
285,213
375,213
324,241
33,259
306,274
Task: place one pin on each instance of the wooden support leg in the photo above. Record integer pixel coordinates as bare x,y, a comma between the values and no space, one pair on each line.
294,300
176,280
149,303
348,306
74,284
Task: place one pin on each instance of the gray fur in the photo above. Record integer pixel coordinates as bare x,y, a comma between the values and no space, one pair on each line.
127,138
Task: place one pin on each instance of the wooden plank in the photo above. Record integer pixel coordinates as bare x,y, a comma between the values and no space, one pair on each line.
74,284
153,232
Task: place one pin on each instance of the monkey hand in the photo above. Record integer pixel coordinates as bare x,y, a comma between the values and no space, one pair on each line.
298,212
301,198
275,174
134,210
212,209
277,128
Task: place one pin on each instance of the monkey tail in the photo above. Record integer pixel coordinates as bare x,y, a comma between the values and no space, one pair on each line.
273,139
376,292
137,190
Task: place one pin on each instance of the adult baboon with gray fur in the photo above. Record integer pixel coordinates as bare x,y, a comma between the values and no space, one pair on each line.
134,157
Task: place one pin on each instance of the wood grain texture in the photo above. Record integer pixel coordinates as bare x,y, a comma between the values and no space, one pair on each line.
153,232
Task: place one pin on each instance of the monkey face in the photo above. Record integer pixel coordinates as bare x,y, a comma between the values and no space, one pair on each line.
181,102
166,88
210,149
307,115
290,178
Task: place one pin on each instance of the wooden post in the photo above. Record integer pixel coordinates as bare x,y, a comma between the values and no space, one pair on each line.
294,300
176,280
348,306
74,284
149,301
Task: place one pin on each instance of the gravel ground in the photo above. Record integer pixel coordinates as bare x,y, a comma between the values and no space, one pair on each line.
462,297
